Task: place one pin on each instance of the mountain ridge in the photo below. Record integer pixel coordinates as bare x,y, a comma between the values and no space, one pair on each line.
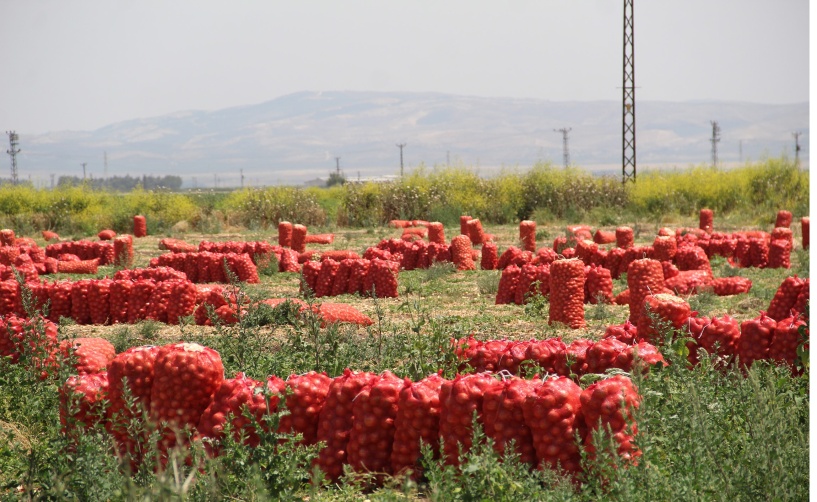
296,137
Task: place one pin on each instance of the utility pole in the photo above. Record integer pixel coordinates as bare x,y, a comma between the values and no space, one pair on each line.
83,164
52,181
565,149
337,165
716,137
242,178
628,167
13,151
796,148
400,146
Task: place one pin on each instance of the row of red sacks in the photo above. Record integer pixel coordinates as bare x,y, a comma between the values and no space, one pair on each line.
201,267
517,285
137,294
373,423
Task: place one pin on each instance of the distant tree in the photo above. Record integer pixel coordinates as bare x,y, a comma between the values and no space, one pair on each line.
335,179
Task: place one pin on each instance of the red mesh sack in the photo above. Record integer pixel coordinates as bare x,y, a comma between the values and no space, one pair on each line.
644,277
88,393
326,277
706,220
134,366
489,258
459,400
728,286
372,434
527,235
804,226
567,280
690,282
605,354
508,283
417,422
236,397
298,242
526,287
436,232
123,251
78,267
140,226
503,415
609,405
785,298
383,275
120,291
337,419
554,415
475,232
185,377
577,355
59,294
604,237
513,357
284,233
665,307
357,276
464,224
305,398
80,308
598,286
550,355
141,292
184,296
93,355
311,271
624,237
779,254
461,253
106,235
481,356
342,313
341,281
785,340
627,332
755,339
783,219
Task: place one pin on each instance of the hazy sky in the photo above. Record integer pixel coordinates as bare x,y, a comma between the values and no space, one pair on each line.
82,64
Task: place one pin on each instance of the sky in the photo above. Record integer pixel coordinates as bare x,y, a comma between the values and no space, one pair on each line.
84,64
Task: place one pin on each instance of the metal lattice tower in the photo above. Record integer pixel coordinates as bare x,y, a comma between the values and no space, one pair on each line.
565,148
13,151
400,146
628,168
716,137
796,148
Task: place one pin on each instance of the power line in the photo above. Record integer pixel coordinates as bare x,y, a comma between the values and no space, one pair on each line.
13,151
565,148
400,146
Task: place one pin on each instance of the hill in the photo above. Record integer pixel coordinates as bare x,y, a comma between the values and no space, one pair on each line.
295,138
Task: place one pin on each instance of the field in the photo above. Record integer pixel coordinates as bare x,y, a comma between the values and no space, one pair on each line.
705,432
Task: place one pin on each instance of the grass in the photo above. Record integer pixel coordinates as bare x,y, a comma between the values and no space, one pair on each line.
705,433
